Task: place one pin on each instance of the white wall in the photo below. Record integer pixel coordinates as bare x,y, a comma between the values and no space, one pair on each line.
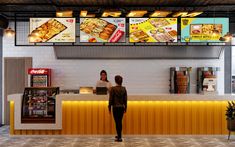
140,76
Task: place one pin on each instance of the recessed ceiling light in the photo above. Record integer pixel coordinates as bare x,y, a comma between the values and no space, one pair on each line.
67,13
137,13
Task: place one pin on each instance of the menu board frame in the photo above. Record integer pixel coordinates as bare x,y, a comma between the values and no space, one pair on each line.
126,34
91,43
75,29
206,41
152,42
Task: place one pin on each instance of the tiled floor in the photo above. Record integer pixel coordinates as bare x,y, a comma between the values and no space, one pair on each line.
108,141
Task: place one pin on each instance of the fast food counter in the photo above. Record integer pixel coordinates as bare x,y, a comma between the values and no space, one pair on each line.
146,114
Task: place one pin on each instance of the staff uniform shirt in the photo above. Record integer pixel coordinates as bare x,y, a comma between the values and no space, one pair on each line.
106,84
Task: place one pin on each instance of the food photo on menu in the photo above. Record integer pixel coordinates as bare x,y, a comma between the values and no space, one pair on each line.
153,29
102,29
204,29
52,30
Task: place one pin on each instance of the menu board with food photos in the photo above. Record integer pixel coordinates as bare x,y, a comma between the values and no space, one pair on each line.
203,29
52,29
153,30
102,29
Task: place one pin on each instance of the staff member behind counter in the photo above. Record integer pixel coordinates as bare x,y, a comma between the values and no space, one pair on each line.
104,82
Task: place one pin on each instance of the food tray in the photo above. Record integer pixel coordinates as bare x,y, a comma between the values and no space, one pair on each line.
159,22
98,28
139,35
164,37
205,29
49,29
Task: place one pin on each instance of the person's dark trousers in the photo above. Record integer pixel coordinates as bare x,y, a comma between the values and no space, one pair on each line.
118,115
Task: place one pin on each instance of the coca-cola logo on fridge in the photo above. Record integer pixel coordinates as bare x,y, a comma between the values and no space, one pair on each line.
37,71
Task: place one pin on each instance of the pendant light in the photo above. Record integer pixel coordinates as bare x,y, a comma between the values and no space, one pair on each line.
228,36
31,38
214,31
9,32
35,33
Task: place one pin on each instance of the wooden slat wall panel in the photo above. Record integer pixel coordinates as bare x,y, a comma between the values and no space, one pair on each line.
15,79
144,117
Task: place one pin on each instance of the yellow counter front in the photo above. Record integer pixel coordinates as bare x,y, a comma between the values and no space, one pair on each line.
146,114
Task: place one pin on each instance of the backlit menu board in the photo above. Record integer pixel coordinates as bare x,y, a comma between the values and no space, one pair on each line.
102,29
153,30
52,30
203,29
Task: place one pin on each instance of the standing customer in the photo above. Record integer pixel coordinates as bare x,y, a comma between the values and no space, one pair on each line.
118,101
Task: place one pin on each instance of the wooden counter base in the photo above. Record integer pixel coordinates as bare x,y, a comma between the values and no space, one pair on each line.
142,117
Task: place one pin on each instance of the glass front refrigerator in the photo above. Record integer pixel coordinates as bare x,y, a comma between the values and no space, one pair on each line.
39,77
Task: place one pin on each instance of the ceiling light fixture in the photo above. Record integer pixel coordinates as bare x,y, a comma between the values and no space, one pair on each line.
84,13
160,13
228,37
137,13
187,14
31,36
214,31
108,13
35,33
9,32
67,13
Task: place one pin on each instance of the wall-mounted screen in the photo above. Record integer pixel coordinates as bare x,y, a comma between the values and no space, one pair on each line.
203,29
153,30
52,30
102,29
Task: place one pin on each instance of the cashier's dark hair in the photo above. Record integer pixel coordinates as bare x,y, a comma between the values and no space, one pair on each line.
118,80
103,71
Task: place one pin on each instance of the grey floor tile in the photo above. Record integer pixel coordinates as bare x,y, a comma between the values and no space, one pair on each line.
108,141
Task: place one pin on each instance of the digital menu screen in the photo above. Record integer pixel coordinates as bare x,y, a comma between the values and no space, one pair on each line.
102,29
153,30
52,29
203,29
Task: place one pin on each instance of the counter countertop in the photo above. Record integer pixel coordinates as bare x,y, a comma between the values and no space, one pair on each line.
17,99
155,97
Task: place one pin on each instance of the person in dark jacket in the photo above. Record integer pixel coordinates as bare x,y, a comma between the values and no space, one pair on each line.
118,102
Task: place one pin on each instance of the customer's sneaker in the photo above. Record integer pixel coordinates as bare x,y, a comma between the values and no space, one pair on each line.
118,140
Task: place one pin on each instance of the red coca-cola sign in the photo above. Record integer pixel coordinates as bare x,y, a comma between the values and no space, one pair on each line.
38,71
117,36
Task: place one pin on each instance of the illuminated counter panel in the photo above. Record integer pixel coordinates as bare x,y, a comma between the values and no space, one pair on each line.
142,117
